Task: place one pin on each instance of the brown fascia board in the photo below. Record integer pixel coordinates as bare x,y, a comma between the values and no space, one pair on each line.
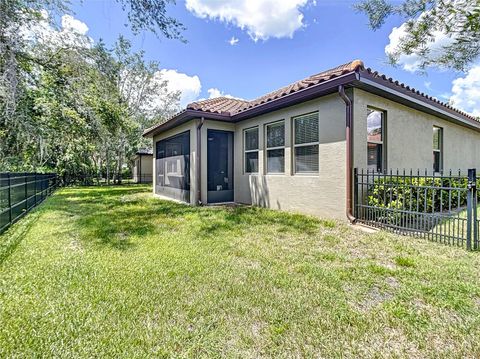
184,117
359,79
310,93
324,88
397,93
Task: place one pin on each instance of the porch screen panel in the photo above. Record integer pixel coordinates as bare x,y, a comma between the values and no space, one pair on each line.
173,166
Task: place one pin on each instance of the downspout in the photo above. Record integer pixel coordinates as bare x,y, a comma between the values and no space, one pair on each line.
348,136
198,169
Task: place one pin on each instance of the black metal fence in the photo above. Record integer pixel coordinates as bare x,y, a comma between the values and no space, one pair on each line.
143,178
82,180
441,208
20,192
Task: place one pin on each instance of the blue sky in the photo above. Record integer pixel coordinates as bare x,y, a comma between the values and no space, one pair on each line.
332,33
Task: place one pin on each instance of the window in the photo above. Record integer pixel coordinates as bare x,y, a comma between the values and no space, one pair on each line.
251,150
437,149
375,139
275,140
306,139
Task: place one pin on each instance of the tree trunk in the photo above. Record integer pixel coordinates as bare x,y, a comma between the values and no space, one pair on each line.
108,169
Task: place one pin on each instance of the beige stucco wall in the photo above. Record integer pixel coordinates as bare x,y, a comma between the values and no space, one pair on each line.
189,126
409,141
146,168
321,194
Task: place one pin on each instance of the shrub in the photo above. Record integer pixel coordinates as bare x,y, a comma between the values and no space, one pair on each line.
424,194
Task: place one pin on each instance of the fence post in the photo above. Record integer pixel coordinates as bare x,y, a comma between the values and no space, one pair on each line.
475,205
355,192
35,189
470,188
9,199
26,192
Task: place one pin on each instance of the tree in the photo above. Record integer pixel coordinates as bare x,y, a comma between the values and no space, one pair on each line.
69,106
456,21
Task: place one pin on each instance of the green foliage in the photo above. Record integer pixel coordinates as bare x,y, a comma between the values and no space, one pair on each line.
419,194
404,261
458,20
71,107
152,15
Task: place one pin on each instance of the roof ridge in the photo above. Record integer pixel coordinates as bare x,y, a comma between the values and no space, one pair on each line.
215,99
230,106
379,75
307,82
285,90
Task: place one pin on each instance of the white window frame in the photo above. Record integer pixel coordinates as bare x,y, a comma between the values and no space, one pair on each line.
383,141
295,146
276,147
440,150
245,151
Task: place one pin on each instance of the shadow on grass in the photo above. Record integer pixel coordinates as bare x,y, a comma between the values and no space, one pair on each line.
107,216
216,220
117,216
11,239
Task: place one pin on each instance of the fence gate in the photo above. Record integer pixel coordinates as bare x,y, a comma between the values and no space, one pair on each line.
441,208
20,192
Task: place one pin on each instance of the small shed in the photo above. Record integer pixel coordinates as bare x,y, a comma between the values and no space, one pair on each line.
143,166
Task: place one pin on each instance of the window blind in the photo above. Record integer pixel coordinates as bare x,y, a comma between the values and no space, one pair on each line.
306,159
306,129
276,135
251,139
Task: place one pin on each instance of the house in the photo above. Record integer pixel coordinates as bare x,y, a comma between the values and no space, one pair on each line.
295,148
143,166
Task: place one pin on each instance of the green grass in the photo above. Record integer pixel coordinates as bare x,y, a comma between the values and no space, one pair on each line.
455,226
114,272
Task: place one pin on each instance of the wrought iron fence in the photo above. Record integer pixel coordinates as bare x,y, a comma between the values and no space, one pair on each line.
441,208
20,192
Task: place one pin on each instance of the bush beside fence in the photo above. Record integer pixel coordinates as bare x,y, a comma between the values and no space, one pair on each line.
439,207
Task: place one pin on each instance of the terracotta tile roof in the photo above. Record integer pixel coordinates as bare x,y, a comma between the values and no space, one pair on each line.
391,81
226,107
160,123
305,83
232,106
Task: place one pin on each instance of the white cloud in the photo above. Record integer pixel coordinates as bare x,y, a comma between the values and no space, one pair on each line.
233,41
214,92
412,61
261,19
466,91
189,86
70,24
72,33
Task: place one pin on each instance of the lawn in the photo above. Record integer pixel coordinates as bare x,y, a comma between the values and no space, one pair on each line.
114,272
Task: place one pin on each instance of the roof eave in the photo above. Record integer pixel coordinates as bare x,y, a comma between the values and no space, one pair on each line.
407,97
310,93
359,79
184,117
